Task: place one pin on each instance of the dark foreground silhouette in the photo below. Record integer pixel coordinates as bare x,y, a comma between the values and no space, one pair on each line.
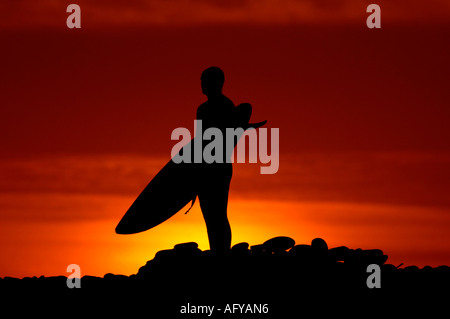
286,280
189,175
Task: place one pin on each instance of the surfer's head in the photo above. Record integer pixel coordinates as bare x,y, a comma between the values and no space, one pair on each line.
212,81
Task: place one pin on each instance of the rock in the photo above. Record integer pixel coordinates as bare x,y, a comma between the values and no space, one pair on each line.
240,246
257,249
190,246
412,269
108,276
319,245
186,249
303,251
373,256
113,277
240,249
148,267
11,280
278,244
353,257
365,257
207,253
163,254
443,268
339,253
389,268
90,281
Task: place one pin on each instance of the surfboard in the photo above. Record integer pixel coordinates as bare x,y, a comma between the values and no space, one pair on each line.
171,189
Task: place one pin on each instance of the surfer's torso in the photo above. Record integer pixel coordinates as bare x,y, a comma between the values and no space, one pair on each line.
218,112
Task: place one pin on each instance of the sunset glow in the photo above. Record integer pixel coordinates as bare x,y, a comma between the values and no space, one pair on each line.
87,116
44,229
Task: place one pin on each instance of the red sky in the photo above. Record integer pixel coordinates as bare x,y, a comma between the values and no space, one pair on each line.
87,116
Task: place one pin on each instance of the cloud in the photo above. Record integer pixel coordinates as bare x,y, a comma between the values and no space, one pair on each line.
114,13
61,207
100,174
391,177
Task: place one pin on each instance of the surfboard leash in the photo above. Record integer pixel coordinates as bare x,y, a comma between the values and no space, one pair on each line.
192,204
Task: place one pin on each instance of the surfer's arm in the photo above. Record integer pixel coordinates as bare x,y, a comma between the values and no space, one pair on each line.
250,126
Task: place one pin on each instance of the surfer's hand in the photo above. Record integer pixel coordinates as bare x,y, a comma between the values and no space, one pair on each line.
255,125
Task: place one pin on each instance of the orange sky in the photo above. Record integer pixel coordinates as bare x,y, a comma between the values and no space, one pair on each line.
87,116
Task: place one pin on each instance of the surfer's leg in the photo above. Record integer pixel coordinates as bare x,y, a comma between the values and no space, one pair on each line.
213,199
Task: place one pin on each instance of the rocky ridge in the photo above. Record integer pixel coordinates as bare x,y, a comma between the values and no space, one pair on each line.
278,273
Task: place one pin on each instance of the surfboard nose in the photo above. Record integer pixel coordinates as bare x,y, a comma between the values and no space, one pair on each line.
118,230
124,227
121,229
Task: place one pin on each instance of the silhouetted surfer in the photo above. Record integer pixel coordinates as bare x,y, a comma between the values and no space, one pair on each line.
214,179
201,168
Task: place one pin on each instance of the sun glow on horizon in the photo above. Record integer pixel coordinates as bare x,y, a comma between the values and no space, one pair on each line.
47,247
68,212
